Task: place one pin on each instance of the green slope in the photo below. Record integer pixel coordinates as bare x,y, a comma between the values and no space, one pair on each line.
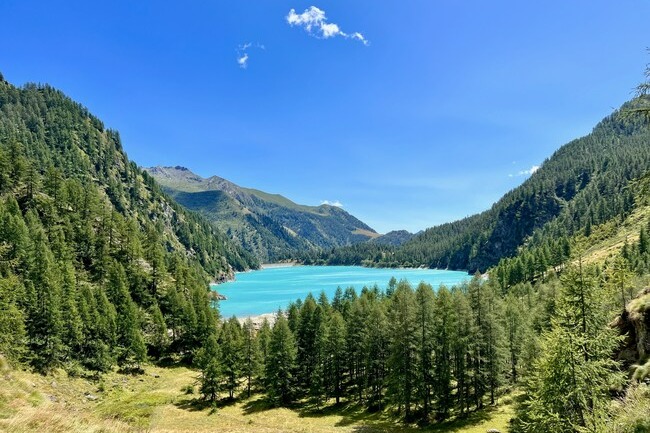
584,183
269,225
94,257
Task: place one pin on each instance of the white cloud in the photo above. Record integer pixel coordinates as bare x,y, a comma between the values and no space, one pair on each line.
528,172
358,36
242,53
314,21
332,203
243,61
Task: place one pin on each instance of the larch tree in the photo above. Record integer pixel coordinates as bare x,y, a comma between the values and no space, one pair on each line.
281,363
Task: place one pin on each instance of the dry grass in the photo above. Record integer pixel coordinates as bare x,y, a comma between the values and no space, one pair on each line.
156,402
607,240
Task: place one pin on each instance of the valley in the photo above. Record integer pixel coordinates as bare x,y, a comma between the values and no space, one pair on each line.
270,217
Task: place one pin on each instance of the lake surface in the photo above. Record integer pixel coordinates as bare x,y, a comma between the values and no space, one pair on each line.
264,291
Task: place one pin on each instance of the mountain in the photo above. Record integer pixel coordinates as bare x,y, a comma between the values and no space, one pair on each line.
586,182
394,238
269,225
97,264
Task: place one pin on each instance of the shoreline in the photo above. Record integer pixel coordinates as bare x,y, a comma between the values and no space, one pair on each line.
258,319
279,265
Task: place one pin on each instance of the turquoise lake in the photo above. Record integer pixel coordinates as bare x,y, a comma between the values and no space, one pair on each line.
264,291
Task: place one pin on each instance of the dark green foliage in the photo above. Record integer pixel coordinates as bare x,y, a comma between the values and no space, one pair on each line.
231,343
12,321
252,361
208,359
404,337
336,348
281,363
569,389
95,259
131,348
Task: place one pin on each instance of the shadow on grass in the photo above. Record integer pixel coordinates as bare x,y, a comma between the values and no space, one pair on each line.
197,404
365,421
257,405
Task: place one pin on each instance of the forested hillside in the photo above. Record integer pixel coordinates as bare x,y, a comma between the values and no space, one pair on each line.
97,264
268,225
584,183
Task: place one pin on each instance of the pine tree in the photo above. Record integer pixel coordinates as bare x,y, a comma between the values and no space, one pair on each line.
263,342
208,359
570,384
425,342
158,340
480,328
12,319
461,343
355,336
44,320
516,330
403,348
132,350
493,334
442,349
231,345
318,377
251,355
619,279
336,348
376,349
280,363
72,325
305,337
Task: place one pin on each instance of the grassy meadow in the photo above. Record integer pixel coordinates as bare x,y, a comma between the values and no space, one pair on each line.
164,400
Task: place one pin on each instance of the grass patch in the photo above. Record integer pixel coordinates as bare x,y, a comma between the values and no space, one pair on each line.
157,402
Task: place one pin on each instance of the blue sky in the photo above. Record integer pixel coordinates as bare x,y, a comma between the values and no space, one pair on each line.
431,115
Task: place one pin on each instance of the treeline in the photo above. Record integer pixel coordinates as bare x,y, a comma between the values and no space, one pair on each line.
366,254
434,355
427,354
97,265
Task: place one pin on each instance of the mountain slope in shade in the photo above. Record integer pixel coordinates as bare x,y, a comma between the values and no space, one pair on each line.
394,238
269,225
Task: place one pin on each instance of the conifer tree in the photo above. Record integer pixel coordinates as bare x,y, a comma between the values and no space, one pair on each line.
516,330
403,348
305,339
72,336
425,342
208,360
376,349
355,336
570,384
231,346
158,340
44,321
336,348
442,348
280,363
132,350
12,319
251,355
318,378
461,341
263,342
